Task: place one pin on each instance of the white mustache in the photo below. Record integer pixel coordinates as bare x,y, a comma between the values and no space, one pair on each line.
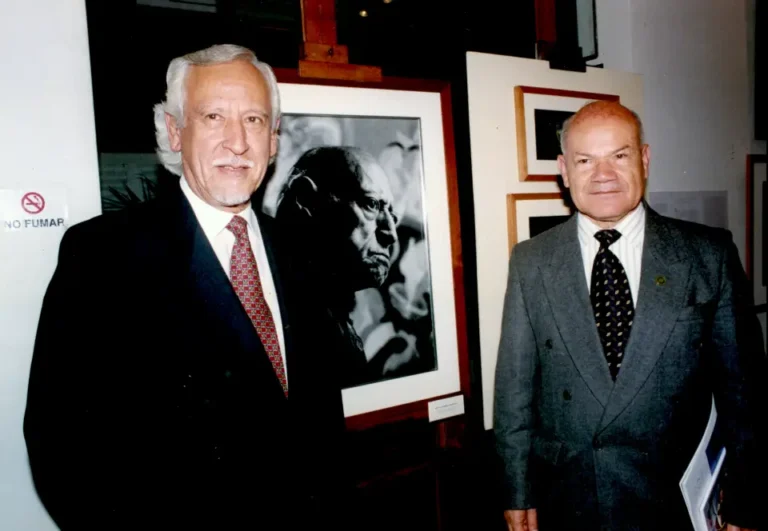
234,162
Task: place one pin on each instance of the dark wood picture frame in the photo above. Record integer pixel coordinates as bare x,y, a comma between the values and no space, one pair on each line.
521,126
755,227
417,409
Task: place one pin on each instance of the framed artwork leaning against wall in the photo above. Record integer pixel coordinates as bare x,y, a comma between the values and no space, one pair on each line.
397,135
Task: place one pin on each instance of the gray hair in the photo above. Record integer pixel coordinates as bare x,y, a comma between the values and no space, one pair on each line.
175,79
569,121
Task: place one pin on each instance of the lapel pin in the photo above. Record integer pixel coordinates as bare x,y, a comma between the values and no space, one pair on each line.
661,280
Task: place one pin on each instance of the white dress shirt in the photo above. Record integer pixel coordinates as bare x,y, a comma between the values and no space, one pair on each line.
214,224
628,249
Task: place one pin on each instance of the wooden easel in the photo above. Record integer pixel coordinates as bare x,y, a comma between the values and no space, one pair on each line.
321,56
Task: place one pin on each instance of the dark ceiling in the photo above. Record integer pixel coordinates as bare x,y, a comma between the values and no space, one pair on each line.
131,45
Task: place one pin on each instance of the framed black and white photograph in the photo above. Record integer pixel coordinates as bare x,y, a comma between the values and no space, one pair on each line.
757,197
529,215
586,21
757,189
411,327
540,114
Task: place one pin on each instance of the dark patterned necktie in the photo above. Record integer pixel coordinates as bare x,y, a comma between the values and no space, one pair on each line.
244,274
611,301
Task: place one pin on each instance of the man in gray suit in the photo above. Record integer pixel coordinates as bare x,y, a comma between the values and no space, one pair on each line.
605,374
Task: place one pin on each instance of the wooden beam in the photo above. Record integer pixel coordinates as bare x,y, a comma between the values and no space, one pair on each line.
319,18
347,72
328,53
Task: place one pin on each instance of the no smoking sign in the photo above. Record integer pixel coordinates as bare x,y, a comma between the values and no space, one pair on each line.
22,210
32,203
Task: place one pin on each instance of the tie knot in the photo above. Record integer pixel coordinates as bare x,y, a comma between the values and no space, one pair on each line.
607,237
238,226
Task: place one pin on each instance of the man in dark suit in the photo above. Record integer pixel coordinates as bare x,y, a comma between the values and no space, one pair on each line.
618,328
176,380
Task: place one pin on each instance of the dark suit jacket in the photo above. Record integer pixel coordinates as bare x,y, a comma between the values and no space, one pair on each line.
152,404
591,454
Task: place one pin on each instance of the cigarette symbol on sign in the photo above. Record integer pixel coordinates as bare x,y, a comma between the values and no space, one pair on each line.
32,203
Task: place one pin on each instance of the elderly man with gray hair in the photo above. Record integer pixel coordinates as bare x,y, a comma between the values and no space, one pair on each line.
174,382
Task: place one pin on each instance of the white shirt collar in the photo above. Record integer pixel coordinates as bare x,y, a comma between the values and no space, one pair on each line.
212,220
631,226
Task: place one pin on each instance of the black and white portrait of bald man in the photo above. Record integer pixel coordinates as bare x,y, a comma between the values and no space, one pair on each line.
346,186
337,212
338,200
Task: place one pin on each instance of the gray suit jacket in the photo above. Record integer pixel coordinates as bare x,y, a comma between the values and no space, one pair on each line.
591,454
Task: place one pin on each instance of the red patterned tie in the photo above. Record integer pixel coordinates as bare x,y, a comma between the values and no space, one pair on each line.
244,275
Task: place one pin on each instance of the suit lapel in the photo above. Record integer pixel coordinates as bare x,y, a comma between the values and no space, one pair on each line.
210,282
210,287
568,296
663,282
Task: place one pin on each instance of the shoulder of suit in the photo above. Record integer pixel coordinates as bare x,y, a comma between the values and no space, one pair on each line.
121,226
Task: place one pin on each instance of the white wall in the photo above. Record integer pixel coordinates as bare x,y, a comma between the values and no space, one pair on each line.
47,139
614,34
697,75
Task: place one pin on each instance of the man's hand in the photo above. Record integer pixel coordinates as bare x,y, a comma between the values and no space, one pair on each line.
523,520
737,528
